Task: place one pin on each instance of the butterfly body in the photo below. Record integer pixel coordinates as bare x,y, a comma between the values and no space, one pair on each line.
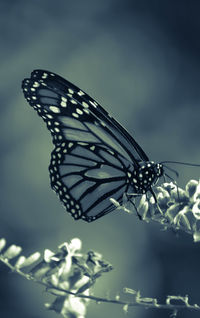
95,158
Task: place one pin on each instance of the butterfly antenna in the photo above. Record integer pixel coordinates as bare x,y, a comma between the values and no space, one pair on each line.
181,163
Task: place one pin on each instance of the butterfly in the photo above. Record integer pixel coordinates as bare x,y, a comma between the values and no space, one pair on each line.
94,158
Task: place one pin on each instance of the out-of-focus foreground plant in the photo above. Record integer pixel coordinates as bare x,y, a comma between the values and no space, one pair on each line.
69,274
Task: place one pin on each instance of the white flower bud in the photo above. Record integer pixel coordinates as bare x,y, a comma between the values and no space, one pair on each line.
32,259
12,251
2,244
75,245
20,261
48,254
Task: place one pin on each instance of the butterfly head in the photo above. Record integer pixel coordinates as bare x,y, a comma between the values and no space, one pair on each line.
146,176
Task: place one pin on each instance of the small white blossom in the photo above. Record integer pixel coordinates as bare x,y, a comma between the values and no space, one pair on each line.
12,251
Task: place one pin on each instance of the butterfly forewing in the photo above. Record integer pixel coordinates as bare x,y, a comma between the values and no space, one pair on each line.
59,97
93,152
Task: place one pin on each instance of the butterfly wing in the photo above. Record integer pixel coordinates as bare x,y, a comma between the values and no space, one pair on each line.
86,176
93,152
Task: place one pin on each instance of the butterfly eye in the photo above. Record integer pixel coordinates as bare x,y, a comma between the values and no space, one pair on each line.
94,158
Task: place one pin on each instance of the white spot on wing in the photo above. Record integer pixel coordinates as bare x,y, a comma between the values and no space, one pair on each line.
54,109
75,115
44,75
79,111
102,123
36,84
93,104
63,104
85,104
80,93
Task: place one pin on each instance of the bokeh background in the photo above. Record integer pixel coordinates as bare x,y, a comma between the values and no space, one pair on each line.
141,61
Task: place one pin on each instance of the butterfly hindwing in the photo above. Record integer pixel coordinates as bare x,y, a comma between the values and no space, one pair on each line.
85,176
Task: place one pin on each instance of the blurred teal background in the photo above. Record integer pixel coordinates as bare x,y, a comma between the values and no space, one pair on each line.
141,61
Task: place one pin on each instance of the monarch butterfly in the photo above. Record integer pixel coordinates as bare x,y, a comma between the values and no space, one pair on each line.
94,158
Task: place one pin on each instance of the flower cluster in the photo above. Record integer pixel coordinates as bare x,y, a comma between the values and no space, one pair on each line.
67,274
175,207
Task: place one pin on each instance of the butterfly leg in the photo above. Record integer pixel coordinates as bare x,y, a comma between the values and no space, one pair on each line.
131,197
156,201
